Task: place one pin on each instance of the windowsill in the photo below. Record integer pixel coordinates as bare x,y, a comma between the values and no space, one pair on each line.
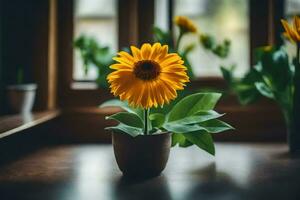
84,85
12,124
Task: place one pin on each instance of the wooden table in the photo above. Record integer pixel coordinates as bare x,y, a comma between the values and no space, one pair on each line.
89,171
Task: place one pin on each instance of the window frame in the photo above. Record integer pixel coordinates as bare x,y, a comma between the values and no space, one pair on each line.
263,31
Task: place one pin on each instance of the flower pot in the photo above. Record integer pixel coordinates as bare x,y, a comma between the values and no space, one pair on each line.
293,135
21,97
141,156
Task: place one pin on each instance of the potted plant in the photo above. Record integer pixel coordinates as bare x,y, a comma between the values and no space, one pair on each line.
21,95
276,77
94,54
144,80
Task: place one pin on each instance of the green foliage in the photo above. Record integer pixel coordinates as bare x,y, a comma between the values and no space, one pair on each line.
192,120
198,117
207,41
122,104
202,139
272,77
93,54
157,119
163,37
20,75
178,138
221,50
244,88
215,126
129,119
130,130
193,104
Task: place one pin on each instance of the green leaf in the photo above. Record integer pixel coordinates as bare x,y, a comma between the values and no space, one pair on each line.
192,104
264,89
188,49
207,41
274,64
215,126
122,128
198,117
228,74
178,138
246,93
182,128
94,54
123,105
202,139
163,37
157,119
130,119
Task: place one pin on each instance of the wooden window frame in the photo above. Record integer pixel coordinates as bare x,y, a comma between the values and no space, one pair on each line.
132,17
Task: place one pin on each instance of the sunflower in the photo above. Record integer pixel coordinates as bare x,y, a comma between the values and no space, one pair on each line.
185,24
292,32
149,77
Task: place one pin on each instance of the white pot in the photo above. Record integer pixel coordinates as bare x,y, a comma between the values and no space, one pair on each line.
21,97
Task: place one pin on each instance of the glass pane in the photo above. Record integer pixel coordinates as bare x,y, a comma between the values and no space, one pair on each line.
97,19
161,14
292,7
223,19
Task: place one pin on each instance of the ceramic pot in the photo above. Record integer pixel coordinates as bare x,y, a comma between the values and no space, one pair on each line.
21,97
141,156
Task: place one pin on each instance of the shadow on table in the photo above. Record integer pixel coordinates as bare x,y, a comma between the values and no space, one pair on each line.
209,183
149,188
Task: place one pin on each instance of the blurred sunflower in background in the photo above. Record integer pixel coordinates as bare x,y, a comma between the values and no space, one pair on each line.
292,32
149,77
185,24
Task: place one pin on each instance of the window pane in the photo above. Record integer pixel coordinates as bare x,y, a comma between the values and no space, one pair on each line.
224,20
161,14
292,7
97,19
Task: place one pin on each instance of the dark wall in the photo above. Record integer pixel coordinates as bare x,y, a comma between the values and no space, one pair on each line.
18,32
1,66
23,41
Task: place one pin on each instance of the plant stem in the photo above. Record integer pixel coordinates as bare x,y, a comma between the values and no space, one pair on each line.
296,78
146,119
298,53
179,40
20,75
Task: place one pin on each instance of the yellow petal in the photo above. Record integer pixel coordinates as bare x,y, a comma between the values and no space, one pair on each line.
136,53
123,60
155,51
126,55
147,93
146,50
120,66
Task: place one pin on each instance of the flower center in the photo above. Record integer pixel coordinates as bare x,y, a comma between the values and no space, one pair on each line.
146,69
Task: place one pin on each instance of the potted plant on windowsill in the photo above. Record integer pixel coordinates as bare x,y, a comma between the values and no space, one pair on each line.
275,77
21,95
147,79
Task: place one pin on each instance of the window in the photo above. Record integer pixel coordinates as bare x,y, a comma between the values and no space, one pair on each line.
223,19
96,19
161,14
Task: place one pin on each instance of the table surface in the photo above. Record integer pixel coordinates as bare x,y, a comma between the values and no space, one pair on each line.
88,172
